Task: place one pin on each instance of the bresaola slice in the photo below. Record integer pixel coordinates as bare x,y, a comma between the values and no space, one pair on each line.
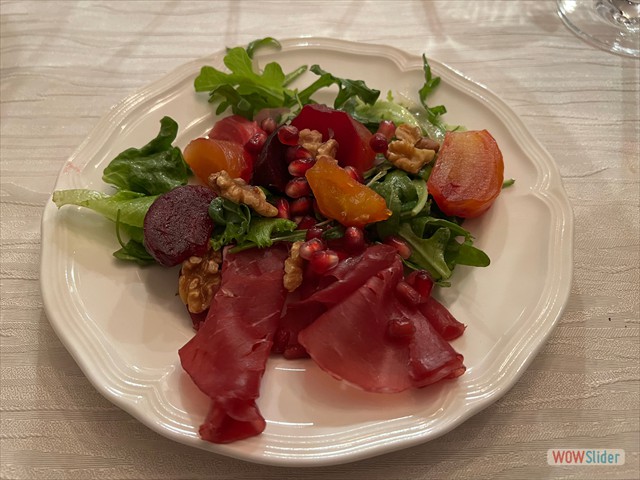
351,341
441,319
227,356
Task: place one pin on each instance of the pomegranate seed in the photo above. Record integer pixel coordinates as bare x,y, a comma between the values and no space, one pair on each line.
314,232
403,248
306,222
297,187
299,166
288,135
387,129
269,125
280,340
254,144
295,351
378,143
282,204
421,280
308,248
300,206
355,174
407,294
296,152
353,239
401,329
323,260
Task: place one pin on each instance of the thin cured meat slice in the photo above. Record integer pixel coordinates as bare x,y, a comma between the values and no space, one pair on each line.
441,319
351,273
352,341
318,293
431,356
227,356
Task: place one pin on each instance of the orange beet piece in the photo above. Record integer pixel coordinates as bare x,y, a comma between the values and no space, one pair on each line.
468,174
206,156
342,198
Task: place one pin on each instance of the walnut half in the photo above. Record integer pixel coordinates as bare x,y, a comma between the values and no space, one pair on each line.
199,280
405,152
237,190
293,268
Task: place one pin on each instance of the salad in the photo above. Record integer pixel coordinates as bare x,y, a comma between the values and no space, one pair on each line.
305,230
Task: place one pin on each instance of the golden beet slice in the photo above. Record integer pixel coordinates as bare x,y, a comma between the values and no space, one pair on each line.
342,198
468,174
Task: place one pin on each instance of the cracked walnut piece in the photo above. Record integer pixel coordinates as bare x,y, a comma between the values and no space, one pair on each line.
405,153
237,190
199,280
293,268
311,140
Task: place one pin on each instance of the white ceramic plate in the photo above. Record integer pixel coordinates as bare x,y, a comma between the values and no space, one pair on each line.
124,325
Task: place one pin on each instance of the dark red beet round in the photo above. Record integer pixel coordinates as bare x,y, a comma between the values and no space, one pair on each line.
177,225
270,169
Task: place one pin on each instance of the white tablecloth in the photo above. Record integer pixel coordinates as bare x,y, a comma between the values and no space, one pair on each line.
65,63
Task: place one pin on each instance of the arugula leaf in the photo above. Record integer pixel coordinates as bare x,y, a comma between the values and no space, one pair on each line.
433,113
465,254
231,222
153,169
428,253
260,43
245,90
346,88
130,206
400,194
261,230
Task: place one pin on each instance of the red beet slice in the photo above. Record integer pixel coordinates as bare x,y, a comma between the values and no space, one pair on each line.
177,225
352,136
270,169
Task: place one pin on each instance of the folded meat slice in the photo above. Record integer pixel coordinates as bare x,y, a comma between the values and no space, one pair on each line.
441,319
352,340
318,293
226,358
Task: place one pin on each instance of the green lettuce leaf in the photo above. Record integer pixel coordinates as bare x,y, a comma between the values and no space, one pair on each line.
129,207
153,169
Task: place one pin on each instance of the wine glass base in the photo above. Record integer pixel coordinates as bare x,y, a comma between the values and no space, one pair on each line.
600,23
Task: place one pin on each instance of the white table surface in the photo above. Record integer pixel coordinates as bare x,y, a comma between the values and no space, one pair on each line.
65,63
